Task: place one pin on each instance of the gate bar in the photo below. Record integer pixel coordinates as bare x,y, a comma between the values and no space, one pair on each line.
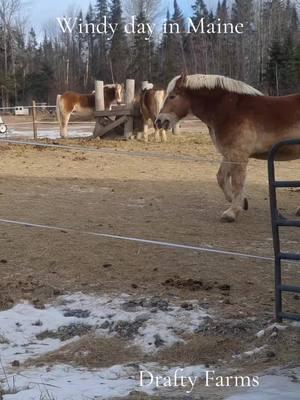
279,221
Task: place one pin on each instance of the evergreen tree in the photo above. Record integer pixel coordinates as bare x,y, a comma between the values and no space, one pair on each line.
178,16
166,52
103,69
91,38
142,53
200,10
118,53
222,11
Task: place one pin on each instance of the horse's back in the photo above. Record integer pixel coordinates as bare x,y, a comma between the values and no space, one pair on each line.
77,101
273,119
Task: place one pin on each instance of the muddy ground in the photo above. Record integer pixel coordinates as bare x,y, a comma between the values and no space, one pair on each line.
128,190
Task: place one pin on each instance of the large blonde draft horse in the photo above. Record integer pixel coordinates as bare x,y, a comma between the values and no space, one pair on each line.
243,124
84,104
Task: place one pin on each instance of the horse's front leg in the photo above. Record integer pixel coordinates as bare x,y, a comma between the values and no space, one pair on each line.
163,135
156,134
223,177
145,131
238,177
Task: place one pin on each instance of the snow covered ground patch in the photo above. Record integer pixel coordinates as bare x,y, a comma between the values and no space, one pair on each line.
282,385
149,323
76,131
63,382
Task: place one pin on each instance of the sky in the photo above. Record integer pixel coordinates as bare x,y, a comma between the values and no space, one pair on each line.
40,12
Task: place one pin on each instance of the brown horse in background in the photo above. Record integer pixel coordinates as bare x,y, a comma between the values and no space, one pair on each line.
243,124
151,101
84,104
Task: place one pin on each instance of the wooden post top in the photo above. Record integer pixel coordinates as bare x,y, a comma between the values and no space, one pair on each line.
99,96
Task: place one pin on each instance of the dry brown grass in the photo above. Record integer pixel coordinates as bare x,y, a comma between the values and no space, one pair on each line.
201,349
91,352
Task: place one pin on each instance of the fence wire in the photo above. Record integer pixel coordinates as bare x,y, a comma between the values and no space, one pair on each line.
137,240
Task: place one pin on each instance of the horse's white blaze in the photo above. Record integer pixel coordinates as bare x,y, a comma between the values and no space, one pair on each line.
159,97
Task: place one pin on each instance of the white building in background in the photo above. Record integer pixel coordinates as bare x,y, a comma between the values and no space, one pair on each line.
21,110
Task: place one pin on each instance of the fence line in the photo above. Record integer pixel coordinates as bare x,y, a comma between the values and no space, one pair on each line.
52,123
129,153
37,106
137,240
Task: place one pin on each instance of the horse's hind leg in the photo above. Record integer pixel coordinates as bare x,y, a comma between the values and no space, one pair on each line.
223,177
65,117
238,177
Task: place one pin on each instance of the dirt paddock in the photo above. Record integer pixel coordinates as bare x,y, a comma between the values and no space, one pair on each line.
172,198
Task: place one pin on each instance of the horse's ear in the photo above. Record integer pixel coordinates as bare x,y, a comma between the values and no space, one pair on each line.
181,81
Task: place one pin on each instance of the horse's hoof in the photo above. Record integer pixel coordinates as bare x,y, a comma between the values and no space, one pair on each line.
246,204
298,212
228,217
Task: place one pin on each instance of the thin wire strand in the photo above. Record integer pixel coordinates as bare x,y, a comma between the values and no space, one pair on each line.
137,240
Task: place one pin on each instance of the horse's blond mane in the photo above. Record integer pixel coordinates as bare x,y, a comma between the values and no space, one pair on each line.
199,81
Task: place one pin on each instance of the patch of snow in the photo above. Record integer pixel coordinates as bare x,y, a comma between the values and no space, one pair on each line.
271,328
63,382
20,325
260,333
50,133
153,327
251,353
273,387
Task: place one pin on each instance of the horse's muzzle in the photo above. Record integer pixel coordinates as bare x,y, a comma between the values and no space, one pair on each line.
162,124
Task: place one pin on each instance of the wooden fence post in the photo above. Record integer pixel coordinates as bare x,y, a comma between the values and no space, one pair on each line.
34,120
129,98
99,105
99,96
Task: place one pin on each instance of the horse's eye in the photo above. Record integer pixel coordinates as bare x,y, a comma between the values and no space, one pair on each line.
172,96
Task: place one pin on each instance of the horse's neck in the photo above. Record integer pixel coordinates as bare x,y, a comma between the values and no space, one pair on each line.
207,105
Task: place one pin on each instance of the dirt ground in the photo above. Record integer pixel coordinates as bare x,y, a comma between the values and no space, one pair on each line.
128,189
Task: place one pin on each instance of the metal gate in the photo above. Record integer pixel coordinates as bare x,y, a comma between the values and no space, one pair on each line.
279,221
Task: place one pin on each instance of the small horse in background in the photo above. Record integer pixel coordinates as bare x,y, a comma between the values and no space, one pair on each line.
242,122
84,104
151,101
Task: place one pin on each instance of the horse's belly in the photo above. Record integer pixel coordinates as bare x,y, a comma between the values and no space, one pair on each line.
265,142
285,153
83,110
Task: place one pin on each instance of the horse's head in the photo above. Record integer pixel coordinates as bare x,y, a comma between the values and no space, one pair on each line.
119,92
176,105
